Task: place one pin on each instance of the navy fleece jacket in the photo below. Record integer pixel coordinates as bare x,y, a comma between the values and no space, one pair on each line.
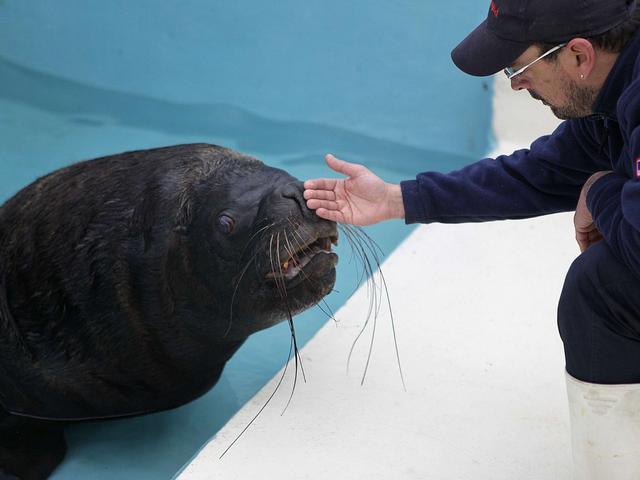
548,177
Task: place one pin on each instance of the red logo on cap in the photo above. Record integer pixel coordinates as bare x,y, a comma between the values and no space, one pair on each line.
494,9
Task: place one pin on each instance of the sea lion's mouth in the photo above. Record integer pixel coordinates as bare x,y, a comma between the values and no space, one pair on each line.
297,260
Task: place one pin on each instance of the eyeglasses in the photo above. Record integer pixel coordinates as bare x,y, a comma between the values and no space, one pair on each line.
510,72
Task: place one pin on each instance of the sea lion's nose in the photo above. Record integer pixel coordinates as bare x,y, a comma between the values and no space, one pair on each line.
293,191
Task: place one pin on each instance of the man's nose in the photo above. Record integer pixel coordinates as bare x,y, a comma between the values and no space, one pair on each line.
518,83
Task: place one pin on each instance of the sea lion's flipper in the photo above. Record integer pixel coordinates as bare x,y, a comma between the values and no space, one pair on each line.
29,449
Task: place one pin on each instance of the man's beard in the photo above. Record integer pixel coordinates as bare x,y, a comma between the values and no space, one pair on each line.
579,101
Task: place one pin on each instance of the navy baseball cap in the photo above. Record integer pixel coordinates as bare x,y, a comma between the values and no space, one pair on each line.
513,25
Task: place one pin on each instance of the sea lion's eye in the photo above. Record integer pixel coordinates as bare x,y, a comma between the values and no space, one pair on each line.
225,224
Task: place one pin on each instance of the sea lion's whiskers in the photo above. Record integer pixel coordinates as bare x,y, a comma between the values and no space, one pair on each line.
298,362
252,237
233,296
275,260
393,329
364,245
273,270
371,294
296,353
278,280
300,240
286,365
289,249
355,256
244,271
367,271
374,249
358,252
301,247
282,289
328,312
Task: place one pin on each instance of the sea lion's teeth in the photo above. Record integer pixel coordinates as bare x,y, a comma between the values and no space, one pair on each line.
285,265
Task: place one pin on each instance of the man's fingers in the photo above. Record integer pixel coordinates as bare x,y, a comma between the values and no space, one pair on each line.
583,240
315,186
320,184
340,166
587,238
314,204
319,194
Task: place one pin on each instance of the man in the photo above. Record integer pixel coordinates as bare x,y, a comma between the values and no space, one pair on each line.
582,60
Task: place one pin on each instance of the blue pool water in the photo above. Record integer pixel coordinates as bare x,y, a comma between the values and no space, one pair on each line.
371,83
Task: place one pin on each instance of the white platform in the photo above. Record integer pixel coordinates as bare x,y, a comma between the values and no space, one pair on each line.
474,307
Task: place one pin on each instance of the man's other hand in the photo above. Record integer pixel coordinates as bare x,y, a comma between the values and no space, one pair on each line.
586,232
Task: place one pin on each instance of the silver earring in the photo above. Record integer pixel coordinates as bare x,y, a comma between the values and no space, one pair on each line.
581,76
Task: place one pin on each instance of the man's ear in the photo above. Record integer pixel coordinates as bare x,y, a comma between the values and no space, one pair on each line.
580,59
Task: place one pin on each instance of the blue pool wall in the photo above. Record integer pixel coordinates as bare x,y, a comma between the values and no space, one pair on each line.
376,68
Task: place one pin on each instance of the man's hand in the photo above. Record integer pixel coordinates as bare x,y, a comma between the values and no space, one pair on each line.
586,232
361,199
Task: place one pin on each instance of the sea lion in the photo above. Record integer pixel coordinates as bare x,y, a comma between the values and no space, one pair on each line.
128,281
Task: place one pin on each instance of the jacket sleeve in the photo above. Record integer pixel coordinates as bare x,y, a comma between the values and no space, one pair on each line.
546,178
614,203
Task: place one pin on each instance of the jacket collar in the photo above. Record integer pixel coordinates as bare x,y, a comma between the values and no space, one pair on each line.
618,79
